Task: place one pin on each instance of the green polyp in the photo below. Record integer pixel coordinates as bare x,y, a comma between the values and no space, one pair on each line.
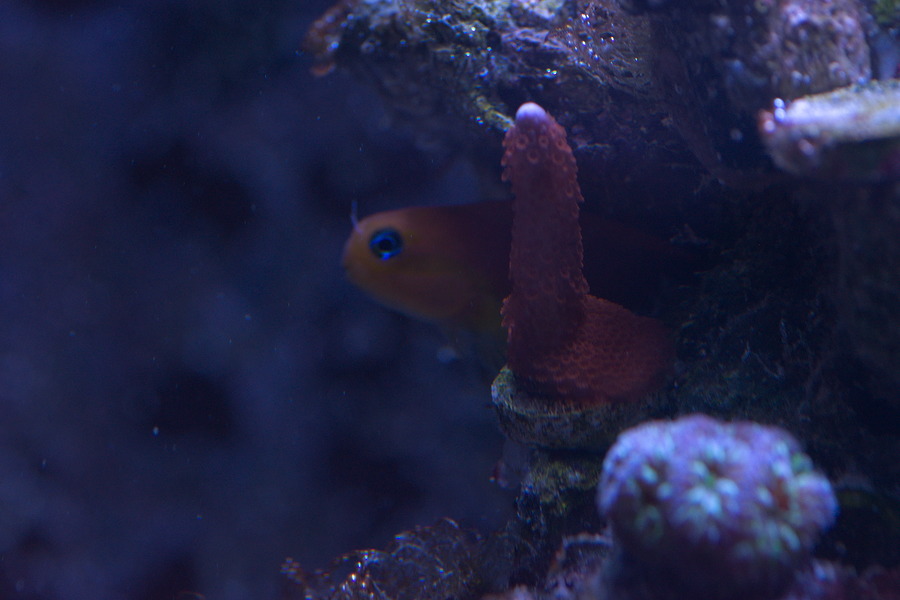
650,523
727,487
790,539
801,463
648,475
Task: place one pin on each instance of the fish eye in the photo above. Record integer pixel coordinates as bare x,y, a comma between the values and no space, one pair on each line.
386,243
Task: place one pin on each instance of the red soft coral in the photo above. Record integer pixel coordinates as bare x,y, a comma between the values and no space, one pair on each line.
563,341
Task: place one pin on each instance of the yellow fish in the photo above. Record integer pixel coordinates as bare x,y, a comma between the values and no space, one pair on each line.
447,264
450,264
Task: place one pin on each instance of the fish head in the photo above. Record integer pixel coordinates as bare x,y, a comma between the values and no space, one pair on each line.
420,262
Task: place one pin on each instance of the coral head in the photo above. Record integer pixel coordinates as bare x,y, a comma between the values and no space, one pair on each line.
731,510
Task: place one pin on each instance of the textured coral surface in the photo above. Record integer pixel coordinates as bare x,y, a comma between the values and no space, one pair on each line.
571,345
722,508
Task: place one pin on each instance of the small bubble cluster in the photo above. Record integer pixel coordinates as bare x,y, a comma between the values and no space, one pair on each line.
716,506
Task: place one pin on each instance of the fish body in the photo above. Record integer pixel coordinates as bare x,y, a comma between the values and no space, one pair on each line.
447,264
450,264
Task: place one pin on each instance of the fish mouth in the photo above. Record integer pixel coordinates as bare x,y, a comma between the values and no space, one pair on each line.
353,271
352,275
346,263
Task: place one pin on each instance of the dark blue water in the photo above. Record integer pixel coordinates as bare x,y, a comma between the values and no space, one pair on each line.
189,390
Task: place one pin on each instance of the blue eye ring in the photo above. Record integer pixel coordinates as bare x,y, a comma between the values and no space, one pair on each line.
386,243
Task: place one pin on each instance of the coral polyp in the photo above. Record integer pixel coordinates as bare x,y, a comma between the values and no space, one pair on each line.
715,506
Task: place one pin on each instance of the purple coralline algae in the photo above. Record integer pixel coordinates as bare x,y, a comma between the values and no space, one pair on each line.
732,509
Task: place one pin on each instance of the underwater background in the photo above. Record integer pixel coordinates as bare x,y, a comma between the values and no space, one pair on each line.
190,391
196,402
